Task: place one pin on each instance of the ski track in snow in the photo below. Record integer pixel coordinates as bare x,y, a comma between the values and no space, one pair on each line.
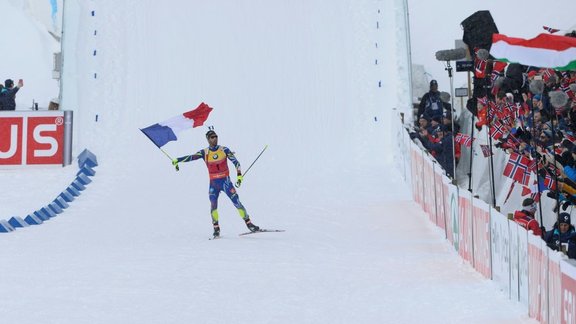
134,249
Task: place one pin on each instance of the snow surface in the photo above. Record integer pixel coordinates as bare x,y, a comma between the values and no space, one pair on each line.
300,76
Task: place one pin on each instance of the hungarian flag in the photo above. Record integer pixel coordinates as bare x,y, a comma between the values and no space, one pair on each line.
166,131
545,50
517,168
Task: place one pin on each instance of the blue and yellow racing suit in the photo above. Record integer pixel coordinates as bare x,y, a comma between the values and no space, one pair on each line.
216,160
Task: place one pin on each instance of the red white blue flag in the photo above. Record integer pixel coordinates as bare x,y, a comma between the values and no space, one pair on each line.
517,168
166,131
550,30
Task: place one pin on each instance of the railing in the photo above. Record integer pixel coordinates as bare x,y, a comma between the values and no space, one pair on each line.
520,263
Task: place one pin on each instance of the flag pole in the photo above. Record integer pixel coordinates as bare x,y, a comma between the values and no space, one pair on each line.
537,159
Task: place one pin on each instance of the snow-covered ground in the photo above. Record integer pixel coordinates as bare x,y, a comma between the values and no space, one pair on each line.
299,76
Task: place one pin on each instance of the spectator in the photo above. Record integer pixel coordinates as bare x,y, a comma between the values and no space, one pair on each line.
525,217
431,105
8,94
1,88
563,233
442,150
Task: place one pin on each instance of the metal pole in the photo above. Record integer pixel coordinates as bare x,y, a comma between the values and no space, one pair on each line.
534,148
491,154
449,69
67,150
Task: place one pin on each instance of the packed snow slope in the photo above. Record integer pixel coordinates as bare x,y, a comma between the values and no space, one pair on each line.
299,76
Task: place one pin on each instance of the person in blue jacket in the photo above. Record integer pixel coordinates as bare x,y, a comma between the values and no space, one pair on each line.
562,233
215,157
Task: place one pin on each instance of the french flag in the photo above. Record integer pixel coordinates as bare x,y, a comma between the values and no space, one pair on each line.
166,131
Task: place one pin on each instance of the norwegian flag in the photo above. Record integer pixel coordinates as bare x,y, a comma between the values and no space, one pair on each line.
566,88
546,74
485,150
517,168
549,182
497,70
497,130
463,139
479,67
550,30
512,141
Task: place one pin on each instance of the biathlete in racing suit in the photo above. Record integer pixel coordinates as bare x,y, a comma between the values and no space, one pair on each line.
215,157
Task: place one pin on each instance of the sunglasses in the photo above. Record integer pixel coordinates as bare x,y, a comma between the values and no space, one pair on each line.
213,136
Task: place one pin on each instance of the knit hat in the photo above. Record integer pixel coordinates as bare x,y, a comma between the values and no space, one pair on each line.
527,202
433,82
8,83
564,218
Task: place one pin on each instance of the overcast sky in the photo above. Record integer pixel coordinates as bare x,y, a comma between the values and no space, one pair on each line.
434,26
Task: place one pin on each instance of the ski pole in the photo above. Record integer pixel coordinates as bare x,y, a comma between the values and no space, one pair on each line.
264,149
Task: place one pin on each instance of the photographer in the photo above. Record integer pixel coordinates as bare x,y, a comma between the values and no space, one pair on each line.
8,94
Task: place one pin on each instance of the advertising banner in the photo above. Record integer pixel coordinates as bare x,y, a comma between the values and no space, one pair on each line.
465,222
32,138
481,236
429,199
554,287
440,198
568,296
452,219
523,261
535,265
501,257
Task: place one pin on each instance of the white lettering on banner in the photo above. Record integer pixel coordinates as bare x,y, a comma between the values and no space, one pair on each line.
568,307
13,143
45,140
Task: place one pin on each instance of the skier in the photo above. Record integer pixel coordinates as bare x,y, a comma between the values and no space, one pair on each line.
215,158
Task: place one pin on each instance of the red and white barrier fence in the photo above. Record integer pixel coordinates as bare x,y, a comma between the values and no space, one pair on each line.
524,268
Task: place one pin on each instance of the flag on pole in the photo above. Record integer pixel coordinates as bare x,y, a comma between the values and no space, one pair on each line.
517,168
550,30
485,150
497,130
166,131
545,50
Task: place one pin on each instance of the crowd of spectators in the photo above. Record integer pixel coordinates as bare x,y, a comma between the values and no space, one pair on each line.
434,128
528,111
8,94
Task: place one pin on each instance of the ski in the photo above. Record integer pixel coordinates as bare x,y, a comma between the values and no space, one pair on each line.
261,231
214,238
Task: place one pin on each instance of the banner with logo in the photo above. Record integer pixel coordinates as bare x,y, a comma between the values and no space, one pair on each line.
451,206
465,222
440,199
535,271
568,296
554,287
417,175
34,138
429,198
523,283
501,254
481,245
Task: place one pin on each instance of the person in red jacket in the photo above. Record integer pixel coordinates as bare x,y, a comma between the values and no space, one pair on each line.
525,217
